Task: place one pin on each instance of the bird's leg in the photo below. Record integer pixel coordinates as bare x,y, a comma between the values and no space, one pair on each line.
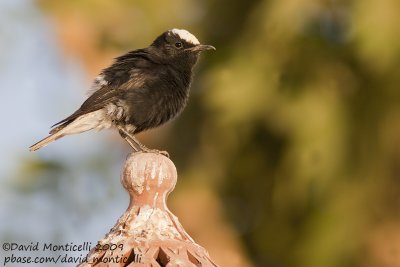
146,149
136,145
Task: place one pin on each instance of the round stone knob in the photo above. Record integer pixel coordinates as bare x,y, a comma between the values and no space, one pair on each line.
148,234
149,178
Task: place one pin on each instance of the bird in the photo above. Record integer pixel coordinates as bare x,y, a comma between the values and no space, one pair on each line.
140,90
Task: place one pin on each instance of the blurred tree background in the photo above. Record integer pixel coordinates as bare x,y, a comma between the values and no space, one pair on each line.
289,150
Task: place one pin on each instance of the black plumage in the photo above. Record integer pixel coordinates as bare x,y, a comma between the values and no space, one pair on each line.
142,89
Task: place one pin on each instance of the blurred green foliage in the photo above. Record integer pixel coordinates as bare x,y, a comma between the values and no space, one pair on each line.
295,119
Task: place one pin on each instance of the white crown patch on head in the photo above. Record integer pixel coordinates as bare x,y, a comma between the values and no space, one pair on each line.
185,35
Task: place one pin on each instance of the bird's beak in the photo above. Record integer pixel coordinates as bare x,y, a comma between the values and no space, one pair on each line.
202,47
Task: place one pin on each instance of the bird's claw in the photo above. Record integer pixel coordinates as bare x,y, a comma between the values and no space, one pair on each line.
163,152
148,150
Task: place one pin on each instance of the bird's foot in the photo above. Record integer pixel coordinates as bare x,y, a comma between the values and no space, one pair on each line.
148,150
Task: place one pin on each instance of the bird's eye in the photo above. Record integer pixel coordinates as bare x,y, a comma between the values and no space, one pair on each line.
178,44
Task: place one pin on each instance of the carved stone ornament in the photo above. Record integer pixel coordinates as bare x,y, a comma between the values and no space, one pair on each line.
148,234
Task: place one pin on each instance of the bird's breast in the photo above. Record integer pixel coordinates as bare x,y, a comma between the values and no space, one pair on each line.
153,106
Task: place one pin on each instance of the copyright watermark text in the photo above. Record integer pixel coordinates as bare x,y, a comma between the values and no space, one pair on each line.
45,253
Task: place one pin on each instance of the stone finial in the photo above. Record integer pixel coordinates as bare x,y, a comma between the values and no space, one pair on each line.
148,234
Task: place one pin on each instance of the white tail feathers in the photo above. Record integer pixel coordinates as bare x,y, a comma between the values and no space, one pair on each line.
46,141
81,124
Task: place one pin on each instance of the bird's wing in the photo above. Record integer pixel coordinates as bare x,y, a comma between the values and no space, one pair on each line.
96,101
126,73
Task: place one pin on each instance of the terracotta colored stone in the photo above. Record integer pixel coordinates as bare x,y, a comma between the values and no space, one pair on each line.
148,234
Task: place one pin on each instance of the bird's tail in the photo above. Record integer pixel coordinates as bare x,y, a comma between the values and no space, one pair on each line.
81,124
47,140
